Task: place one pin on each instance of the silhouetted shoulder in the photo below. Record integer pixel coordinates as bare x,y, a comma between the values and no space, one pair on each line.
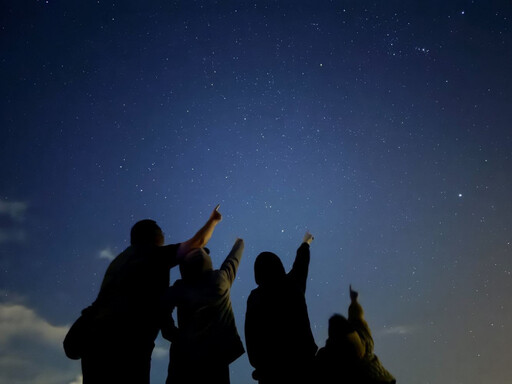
168,254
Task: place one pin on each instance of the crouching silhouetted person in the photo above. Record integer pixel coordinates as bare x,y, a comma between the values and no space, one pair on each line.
278,335
206,339
348,353
372,372
340,361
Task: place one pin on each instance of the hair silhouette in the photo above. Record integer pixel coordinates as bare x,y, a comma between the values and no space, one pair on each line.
195,264
268,269
145,232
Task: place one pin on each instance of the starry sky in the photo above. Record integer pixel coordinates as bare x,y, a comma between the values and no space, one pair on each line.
383,127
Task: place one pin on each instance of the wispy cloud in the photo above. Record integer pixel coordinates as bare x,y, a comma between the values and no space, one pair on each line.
14,209
12,297
107,254
12,235
78,380
17,320
398,330
31,348
160,352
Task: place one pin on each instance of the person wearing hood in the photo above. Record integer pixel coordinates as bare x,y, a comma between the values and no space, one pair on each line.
279,341
206,339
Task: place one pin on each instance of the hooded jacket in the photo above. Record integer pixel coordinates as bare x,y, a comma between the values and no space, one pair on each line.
277,329
206,330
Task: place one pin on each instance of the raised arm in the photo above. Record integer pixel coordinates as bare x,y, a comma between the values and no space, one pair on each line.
232,261
201,238
299,272
356,312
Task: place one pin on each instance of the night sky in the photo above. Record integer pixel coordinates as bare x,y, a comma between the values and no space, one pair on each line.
383,127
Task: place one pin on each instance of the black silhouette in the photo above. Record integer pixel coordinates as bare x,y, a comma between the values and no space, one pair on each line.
115,336
278,335
340,360
373,371
206,340
348,353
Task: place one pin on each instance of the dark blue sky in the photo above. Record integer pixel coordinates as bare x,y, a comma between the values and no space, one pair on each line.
383,127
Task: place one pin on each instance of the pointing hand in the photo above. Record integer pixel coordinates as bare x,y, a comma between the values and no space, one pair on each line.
353,294
216,216
308,238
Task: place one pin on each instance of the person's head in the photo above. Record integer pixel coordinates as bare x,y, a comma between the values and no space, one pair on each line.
339,327
268,269
195,264
146,232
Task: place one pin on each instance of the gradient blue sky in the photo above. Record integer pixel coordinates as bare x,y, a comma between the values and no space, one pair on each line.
383,127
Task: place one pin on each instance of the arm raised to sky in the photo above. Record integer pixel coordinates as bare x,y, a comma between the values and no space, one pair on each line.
299,272
356,312
232,261
201,238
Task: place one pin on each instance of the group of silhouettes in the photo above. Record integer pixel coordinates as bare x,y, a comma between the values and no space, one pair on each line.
114,337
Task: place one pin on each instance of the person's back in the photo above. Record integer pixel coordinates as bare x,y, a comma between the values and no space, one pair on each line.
133,285
279,340
125,313
206,340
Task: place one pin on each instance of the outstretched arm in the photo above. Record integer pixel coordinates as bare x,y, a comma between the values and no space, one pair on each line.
232,261
201,238
299,272
356,312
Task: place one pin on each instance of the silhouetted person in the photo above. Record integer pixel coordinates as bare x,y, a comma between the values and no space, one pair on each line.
206,340
348,353
278,335
340,361
125,316
373,372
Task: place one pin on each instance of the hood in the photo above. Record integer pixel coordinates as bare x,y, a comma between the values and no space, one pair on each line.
195,264
268,269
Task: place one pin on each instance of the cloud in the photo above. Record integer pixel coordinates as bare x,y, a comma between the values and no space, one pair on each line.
12,235
107,254
14,209
12,297
78,380
398,330
31,349
160,353
16,320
